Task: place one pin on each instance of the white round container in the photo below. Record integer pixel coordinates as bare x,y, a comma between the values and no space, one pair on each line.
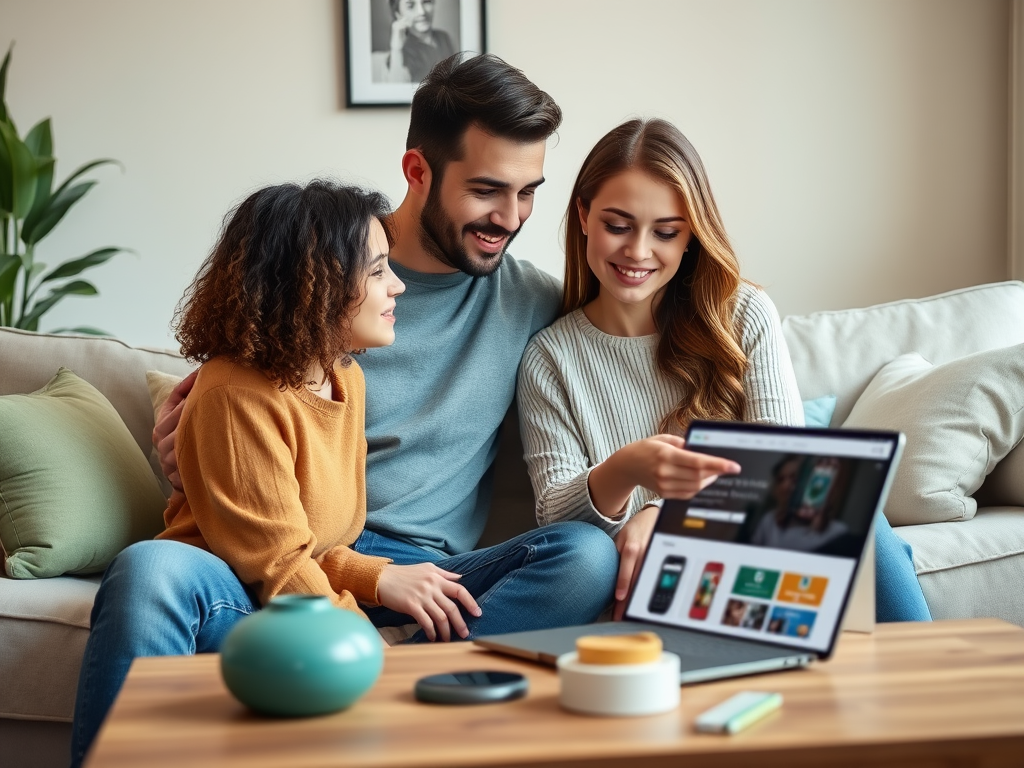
619,689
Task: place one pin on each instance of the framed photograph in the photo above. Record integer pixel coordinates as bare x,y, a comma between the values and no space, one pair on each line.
390,45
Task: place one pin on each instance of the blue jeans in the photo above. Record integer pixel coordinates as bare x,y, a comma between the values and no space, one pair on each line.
163,598
898,595
558,575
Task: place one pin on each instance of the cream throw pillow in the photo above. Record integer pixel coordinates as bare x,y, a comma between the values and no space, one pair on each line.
160,385
1004,487
960,418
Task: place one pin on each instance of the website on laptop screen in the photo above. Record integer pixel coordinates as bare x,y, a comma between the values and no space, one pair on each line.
768,554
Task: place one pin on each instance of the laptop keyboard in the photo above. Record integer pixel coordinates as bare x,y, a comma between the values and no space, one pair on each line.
685,643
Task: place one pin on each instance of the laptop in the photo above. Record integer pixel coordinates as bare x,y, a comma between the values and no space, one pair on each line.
754,573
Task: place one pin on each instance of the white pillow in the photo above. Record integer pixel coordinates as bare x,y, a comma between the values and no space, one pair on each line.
960,418
1004,487
160,385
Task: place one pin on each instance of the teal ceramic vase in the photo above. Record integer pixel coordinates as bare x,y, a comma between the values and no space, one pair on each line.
301,656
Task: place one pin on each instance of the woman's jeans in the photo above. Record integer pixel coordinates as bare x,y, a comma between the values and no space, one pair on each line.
161,598
898,595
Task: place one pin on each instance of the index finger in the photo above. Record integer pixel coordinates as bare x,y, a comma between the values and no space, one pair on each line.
707,464
460,593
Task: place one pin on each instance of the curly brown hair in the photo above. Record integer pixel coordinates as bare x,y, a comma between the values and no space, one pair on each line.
279,289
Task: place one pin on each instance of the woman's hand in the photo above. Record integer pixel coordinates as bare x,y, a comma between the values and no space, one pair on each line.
166,427
661,464
428,594
631,541
396,71
399,30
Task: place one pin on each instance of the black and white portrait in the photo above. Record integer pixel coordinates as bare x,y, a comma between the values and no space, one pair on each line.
392,44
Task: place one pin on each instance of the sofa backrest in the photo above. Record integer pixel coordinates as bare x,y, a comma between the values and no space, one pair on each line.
29,360
839,352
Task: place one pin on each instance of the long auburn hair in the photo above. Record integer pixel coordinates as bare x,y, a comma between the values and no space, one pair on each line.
697,345
278,291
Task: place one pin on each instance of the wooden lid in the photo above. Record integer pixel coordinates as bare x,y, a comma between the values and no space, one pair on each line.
637,648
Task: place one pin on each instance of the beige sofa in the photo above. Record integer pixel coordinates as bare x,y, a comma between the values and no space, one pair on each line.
971,568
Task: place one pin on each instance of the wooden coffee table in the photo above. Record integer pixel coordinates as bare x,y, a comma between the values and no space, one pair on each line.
948,693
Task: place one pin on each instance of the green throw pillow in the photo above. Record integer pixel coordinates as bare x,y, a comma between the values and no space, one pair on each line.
74,487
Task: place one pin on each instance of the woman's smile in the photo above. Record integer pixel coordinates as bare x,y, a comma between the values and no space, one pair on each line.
631,275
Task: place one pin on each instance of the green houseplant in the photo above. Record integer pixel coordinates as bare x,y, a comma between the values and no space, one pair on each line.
29,210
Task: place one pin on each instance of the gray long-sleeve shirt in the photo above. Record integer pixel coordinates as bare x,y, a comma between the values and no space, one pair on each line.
436,398
583,394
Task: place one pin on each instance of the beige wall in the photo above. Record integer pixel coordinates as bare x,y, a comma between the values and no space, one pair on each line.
858,148
1015,252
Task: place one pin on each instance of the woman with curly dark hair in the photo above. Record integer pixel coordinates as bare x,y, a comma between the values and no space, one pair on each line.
271,448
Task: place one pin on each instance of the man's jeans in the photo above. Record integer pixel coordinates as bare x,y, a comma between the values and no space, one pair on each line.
163,598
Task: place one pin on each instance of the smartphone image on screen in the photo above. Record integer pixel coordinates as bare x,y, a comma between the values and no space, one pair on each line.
706,591
818,488
668,582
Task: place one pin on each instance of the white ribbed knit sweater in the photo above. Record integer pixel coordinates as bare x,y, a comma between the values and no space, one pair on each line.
584,394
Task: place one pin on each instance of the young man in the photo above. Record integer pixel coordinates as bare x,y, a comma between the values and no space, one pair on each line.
435,402
437,397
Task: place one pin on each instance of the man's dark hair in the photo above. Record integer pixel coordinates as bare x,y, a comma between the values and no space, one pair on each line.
482,90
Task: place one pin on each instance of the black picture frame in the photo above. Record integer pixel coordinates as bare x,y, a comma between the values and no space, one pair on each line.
373,75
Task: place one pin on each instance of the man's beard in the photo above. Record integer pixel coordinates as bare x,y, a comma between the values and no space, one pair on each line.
440,238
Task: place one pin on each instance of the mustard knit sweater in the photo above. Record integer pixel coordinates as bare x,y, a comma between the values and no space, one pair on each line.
275,483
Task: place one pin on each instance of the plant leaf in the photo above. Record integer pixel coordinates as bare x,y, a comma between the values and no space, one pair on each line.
85,329
76,266
38,227
44,181
9,268
23,172
46,216
31,275
40,142
40,138
85,168
6,199
37,268
40,308
3,83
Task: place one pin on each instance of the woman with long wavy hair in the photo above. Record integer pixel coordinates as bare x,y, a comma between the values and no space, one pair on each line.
657,329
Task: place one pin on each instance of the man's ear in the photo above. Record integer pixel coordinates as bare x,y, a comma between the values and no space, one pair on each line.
417,173
583,212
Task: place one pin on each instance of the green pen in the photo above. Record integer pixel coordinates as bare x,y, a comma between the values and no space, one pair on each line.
739,711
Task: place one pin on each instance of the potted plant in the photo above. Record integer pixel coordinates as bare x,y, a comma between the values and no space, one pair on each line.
29,210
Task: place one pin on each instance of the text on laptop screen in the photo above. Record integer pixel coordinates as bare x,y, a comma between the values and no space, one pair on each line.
768,554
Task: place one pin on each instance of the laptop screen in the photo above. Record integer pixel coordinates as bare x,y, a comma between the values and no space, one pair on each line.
769,554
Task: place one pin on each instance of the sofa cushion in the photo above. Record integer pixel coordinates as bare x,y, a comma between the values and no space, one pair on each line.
74,487
44,624
28,360
960,419
1004,487
839,352
160,385
973,568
